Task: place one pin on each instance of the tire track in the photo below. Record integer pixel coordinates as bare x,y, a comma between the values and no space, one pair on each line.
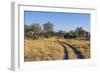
79,55
76,52
65,50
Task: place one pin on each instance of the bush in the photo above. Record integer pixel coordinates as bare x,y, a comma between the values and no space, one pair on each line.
30,34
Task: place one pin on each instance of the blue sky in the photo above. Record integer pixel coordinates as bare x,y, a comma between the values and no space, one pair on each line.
61,21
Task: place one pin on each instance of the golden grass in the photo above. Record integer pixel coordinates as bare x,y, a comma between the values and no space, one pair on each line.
50,49
46,49
71,54
81,45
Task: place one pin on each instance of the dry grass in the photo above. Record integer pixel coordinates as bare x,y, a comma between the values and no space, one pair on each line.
81,45
50,49
71,54
46,49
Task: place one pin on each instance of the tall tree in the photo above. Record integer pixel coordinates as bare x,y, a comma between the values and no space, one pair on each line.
79,31
48,29
36,28
26,29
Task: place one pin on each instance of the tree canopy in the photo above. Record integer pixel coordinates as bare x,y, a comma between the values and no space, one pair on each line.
36,28
35,31
48,27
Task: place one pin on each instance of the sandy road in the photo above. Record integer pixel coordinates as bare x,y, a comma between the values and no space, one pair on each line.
70,52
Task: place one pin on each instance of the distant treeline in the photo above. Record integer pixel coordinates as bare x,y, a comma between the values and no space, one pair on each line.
35,31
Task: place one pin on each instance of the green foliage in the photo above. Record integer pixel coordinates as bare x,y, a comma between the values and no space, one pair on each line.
36,28
30,34
26,29
79,32
48,27
35,31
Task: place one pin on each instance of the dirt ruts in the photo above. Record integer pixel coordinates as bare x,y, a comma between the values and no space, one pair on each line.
65,50
75,51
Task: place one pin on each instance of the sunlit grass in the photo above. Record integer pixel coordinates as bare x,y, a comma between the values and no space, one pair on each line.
50,49
81,45
46,49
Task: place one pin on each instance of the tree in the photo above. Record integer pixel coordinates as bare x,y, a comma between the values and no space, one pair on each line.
30,34
70,35
87,34
36,28
67,35
26,29
79,32
61,33
48,29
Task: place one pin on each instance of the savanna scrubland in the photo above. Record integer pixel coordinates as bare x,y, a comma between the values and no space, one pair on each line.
46,44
